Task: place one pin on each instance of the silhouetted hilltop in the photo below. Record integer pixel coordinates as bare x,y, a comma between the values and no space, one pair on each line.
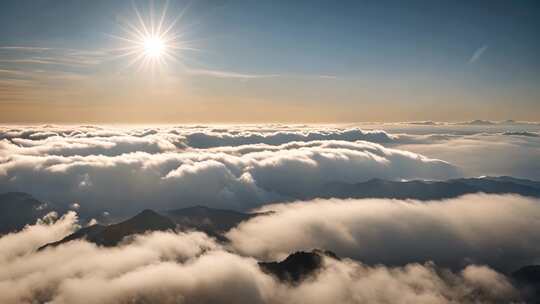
297,266
111,235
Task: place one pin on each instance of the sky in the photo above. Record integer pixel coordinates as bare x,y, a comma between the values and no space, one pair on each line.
269,61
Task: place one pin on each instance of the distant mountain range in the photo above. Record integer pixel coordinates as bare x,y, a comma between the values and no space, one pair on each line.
214,222
429,190
18,209
111,235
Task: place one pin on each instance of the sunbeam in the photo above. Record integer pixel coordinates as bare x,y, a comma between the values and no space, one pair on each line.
151,41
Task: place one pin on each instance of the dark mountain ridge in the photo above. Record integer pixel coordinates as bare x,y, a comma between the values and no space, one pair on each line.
214,222
429,190
18,209
112,235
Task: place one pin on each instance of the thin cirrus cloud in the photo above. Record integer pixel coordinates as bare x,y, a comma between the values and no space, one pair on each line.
478,54
52,56
86,60
24,48
193,268
30,73
247,76
228,74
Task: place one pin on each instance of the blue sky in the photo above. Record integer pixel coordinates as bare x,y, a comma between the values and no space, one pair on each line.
321,54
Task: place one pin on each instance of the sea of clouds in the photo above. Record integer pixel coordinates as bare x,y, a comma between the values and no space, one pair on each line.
125,168
450,251
190,267
497,230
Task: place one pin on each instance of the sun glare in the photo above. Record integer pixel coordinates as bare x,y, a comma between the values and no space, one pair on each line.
151,41
153,46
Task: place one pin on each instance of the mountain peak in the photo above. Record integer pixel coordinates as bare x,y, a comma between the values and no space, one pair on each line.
298,265
147,213
111,235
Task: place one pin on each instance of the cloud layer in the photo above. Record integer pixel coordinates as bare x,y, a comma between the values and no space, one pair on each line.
169,267
115,168
500,231
130,169
513,153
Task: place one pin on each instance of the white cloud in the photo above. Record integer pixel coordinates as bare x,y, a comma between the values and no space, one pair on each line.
122,170
217,139
15,245
244,166
484,153
165,267
129,169
500,231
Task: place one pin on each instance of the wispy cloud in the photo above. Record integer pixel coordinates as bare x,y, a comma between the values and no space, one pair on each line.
245,76
328,76
10,72
53,61
31,55
24,48
478,53
29,71
228,74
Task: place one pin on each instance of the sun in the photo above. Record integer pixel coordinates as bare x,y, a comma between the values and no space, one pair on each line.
150,41
154,47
